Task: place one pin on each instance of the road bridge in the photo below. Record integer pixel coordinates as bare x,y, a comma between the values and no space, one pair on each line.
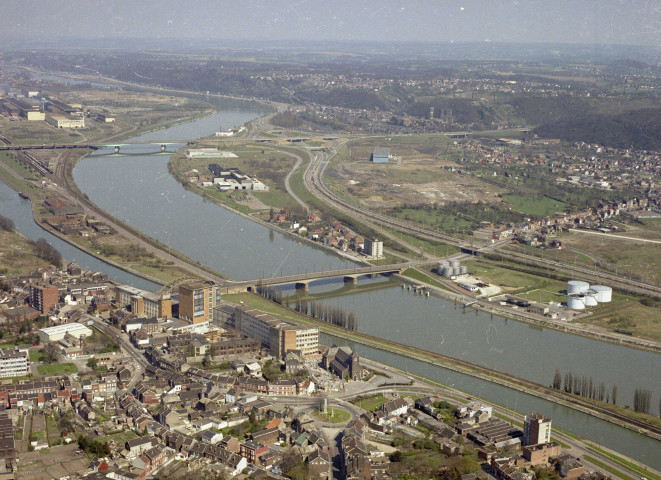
302,280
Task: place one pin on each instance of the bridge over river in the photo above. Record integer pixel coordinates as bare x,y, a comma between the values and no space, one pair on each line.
302,280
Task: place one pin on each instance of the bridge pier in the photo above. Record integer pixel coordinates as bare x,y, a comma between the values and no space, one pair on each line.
117,149
162,148
351,279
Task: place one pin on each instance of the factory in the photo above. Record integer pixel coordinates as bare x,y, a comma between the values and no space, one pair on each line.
581,295
58,332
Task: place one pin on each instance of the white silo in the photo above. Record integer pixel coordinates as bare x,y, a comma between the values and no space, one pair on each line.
604,293
575,302
463,270
454,263
590,298
575,287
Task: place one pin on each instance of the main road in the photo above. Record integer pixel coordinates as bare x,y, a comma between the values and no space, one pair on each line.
313,180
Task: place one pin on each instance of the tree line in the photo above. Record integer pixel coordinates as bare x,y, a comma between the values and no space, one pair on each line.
586,387
326,313
45,250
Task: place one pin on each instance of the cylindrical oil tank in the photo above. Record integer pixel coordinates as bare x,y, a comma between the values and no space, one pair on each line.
575,302
576,286
463,270
456,271
442,264
454,263
590,298
447,272
604,293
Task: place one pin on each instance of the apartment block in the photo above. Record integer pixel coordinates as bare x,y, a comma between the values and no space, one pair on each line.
44,297
536,429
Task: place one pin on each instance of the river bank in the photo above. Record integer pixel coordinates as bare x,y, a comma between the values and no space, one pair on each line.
599,410
564,327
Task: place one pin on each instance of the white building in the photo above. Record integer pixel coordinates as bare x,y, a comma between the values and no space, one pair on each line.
59,121
13,362
58,332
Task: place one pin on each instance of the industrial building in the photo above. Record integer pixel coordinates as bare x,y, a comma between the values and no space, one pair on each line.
143,302
536,429
197,301
60,121
13,362
58,332
277,335
381,155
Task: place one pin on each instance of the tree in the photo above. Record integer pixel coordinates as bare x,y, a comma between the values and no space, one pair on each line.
51,353
92,363
6,224
557,379
642,399
206,361
614,395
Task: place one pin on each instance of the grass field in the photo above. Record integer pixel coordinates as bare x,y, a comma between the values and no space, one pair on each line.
641,259
416,275
532,205
513,281
334,415
371,404
57,368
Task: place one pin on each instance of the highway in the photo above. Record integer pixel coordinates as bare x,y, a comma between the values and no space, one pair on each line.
313,180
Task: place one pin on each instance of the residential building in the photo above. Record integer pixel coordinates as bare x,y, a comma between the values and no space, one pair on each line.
536,429
374,247
44,297
197,301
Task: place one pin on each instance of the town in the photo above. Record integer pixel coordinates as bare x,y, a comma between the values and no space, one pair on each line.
146,383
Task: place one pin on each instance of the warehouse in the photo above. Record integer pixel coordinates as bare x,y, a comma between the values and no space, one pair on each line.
381,155
53,334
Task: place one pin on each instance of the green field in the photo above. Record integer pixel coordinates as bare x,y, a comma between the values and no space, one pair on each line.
371,404
57,368
533,205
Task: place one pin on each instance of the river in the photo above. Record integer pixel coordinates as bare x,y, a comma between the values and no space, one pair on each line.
140,191
509,346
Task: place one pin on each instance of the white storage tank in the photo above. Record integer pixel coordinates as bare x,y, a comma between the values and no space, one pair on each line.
447,272
590,298
576,302
604,293
456,271
454,263
463,269
575,287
